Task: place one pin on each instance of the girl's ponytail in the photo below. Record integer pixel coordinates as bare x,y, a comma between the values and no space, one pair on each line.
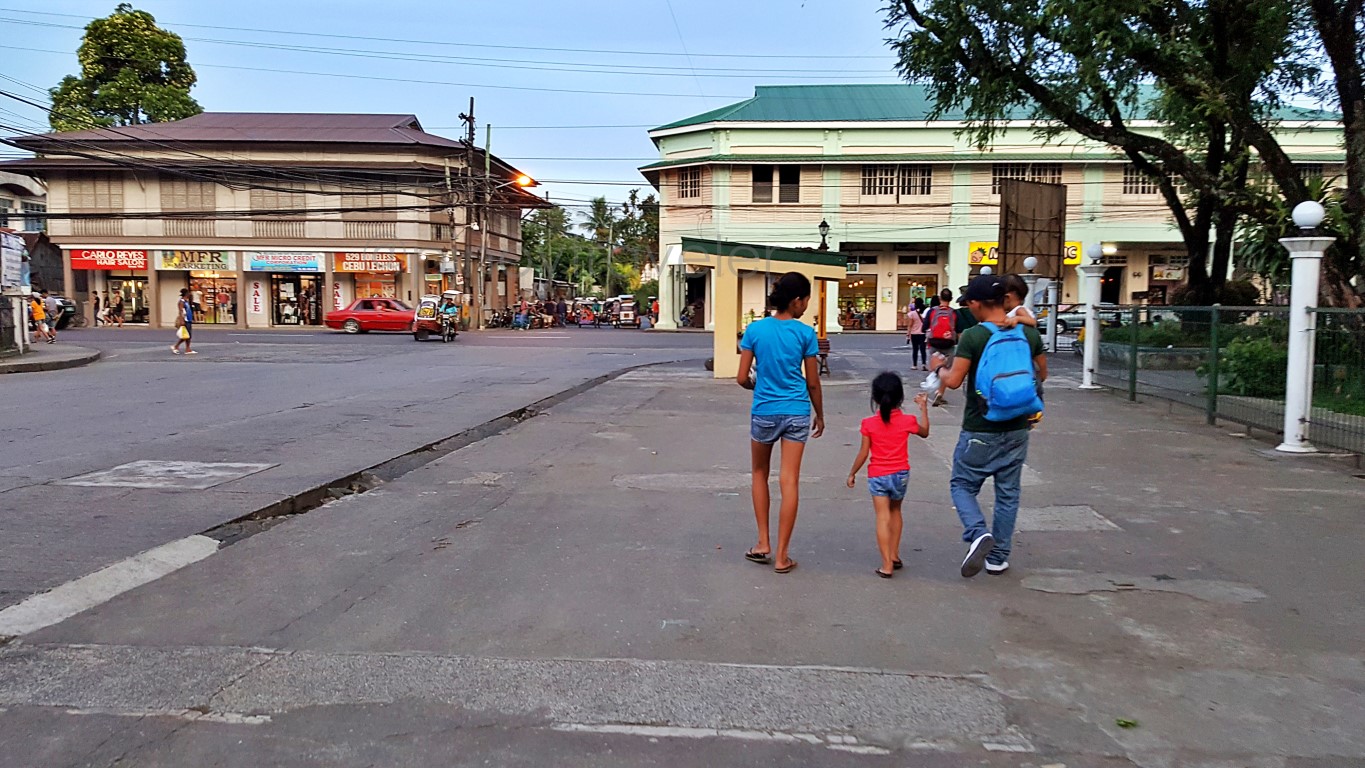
888,393
788,288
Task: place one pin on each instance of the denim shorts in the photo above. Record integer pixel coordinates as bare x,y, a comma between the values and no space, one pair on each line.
891,486
770,429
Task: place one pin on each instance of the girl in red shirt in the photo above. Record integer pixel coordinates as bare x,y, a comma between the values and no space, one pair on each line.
885,439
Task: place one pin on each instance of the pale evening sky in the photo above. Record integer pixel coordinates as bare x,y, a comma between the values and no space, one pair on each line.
537,69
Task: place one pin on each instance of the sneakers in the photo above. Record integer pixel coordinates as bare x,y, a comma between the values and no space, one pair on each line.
976,555
175,350
995,569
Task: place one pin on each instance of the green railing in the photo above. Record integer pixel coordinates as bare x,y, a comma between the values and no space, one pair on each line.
1231,363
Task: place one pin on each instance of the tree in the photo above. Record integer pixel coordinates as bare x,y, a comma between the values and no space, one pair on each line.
1215,72
132,71
639,228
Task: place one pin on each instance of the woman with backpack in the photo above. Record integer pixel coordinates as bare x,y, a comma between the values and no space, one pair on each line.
941,328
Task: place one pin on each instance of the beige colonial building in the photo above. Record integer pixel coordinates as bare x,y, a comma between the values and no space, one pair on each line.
911,202
274,219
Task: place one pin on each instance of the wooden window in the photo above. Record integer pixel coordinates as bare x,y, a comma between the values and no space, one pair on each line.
276,202
187,195
789,184
689,183
916,180
372,198
1044,173
763,183
1135,182
879,180
97,192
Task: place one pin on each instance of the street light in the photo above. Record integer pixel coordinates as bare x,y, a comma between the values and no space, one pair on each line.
824,233
1308,215
1091,273
986,270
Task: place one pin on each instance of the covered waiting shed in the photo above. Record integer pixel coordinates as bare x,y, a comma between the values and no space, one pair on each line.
740,276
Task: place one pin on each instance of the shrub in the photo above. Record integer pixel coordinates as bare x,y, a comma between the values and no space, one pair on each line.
1254,368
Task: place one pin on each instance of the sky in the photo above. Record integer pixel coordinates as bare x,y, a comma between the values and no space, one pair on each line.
570,89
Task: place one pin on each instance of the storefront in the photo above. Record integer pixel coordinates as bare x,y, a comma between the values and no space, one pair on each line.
296,285
373,275
909,288
858,302
210,276
116,274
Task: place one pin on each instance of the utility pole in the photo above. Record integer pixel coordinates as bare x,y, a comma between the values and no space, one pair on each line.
483,223
611,235
466,265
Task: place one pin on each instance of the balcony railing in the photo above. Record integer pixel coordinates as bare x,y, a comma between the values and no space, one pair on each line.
278,228
371,230
112,227
188,228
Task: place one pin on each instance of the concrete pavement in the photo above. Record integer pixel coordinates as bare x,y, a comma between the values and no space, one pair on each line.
572,592
49,357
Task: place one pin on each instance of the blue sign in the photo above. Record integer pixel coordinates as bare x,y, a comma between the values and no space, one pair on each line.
285,261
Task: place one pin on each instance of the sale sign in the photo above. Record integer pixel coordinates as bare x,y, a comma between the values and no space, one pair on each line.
336,296
107,258
256,301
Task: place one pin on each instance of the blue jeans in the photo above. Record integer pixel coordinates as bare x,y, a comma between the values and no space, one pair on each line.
980,455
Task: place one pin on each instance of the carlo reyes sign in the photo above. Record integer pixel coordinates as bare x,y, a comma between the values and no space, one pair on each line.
989,253
370,262
108,259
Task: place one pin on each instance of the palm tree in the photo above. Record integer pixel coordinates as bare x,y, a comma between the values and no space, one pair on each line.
601,225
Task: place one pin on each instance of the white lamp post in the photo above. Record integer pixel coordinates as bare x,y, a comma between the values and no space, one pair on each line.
986,270
1091,273
1031,280
1305,254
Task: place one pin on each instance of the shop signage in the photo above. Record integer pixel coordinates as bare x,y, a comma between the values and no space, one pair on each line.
1175,274
988,253
370,262
96,258
285,261
256,303
336,296
11,261
196,261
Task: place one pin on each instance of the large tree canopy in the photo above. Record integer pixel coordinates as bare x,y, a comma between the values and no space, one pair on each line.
1215,72
132,71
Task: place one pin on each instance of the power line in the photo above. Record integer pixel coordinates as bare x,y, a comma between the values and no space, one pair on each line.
351,76
448,43
542,65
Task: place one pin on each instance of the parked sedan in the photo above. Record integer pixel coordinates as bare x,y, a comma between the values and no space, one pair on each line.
366,315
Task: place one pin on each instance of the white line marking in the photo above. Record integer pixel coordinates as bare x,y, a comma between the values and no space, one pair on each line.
226,718
82,594
860,749
278,335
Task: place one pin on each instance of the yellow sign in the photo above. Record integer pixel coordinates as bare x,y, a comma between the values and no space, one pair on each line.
980,254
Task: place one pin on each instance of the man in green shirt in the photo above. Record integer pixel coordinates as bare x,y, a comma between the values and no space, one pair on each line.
985,448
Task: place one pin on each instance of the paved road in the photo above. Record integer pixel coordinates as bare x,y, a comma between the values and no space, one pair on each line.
571,592
313,406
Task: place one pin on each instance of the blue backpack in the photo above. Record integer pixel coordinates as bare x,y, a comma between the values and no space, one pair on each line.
1004,376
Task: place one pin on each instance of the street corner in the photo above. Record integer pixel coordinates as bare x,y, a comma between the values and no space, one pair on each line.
49,357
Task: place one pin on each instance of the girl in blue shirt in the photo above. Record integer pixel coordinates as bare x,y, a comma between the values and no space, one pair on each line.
775,352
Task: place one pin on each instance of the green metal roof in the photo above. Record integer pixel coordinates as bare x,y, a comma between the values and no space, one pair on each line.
941,157
765,252
884,102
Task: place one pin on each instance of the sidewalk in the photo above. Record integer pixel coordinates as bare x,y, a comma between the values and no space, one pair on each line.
49,357
574,592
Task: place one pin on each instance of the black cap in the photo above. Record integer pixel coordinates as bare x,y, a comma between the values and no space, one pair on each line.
990,288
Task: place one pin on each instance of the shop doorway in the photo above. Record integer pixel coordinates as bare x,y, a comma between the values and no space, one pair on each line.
133,290
909,288
1111,285
296,299
214,297
858,303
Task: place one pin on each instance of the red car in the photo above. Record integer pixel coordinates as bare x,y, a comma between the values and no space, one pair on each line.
371,315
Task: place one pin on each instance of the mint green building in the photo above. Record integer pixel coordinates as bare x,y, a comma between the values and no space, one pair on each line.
913,205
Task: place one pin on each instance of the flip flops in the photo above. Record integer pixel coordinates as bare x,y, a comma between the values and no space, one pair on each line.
791,566
762,558
882,573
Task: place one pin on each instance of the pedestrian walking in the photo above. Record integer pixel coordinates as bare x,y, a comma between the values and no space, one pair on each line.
38,315
184,323
53,309
885,441
774,353
95,299
914,335
1002,370
942,327
116,310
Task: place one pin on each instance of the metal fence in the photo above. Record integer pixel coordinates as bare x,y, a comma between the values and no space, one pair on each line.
1231,363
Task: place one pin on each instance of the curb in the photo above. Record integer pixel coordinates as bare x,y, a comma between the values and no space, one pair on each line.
85,357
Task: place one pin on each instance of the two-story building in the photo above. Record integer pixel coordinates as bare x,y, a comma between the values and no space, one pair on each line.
274,219
911,202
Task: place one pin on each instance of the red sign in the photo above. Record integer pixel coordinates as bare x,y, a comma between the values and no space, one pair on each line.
257,298
108,259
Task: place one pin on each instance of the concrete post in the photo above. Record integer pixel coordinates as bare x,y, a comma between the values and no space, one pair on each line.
1305,254
1091,274
670,274
1031,280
